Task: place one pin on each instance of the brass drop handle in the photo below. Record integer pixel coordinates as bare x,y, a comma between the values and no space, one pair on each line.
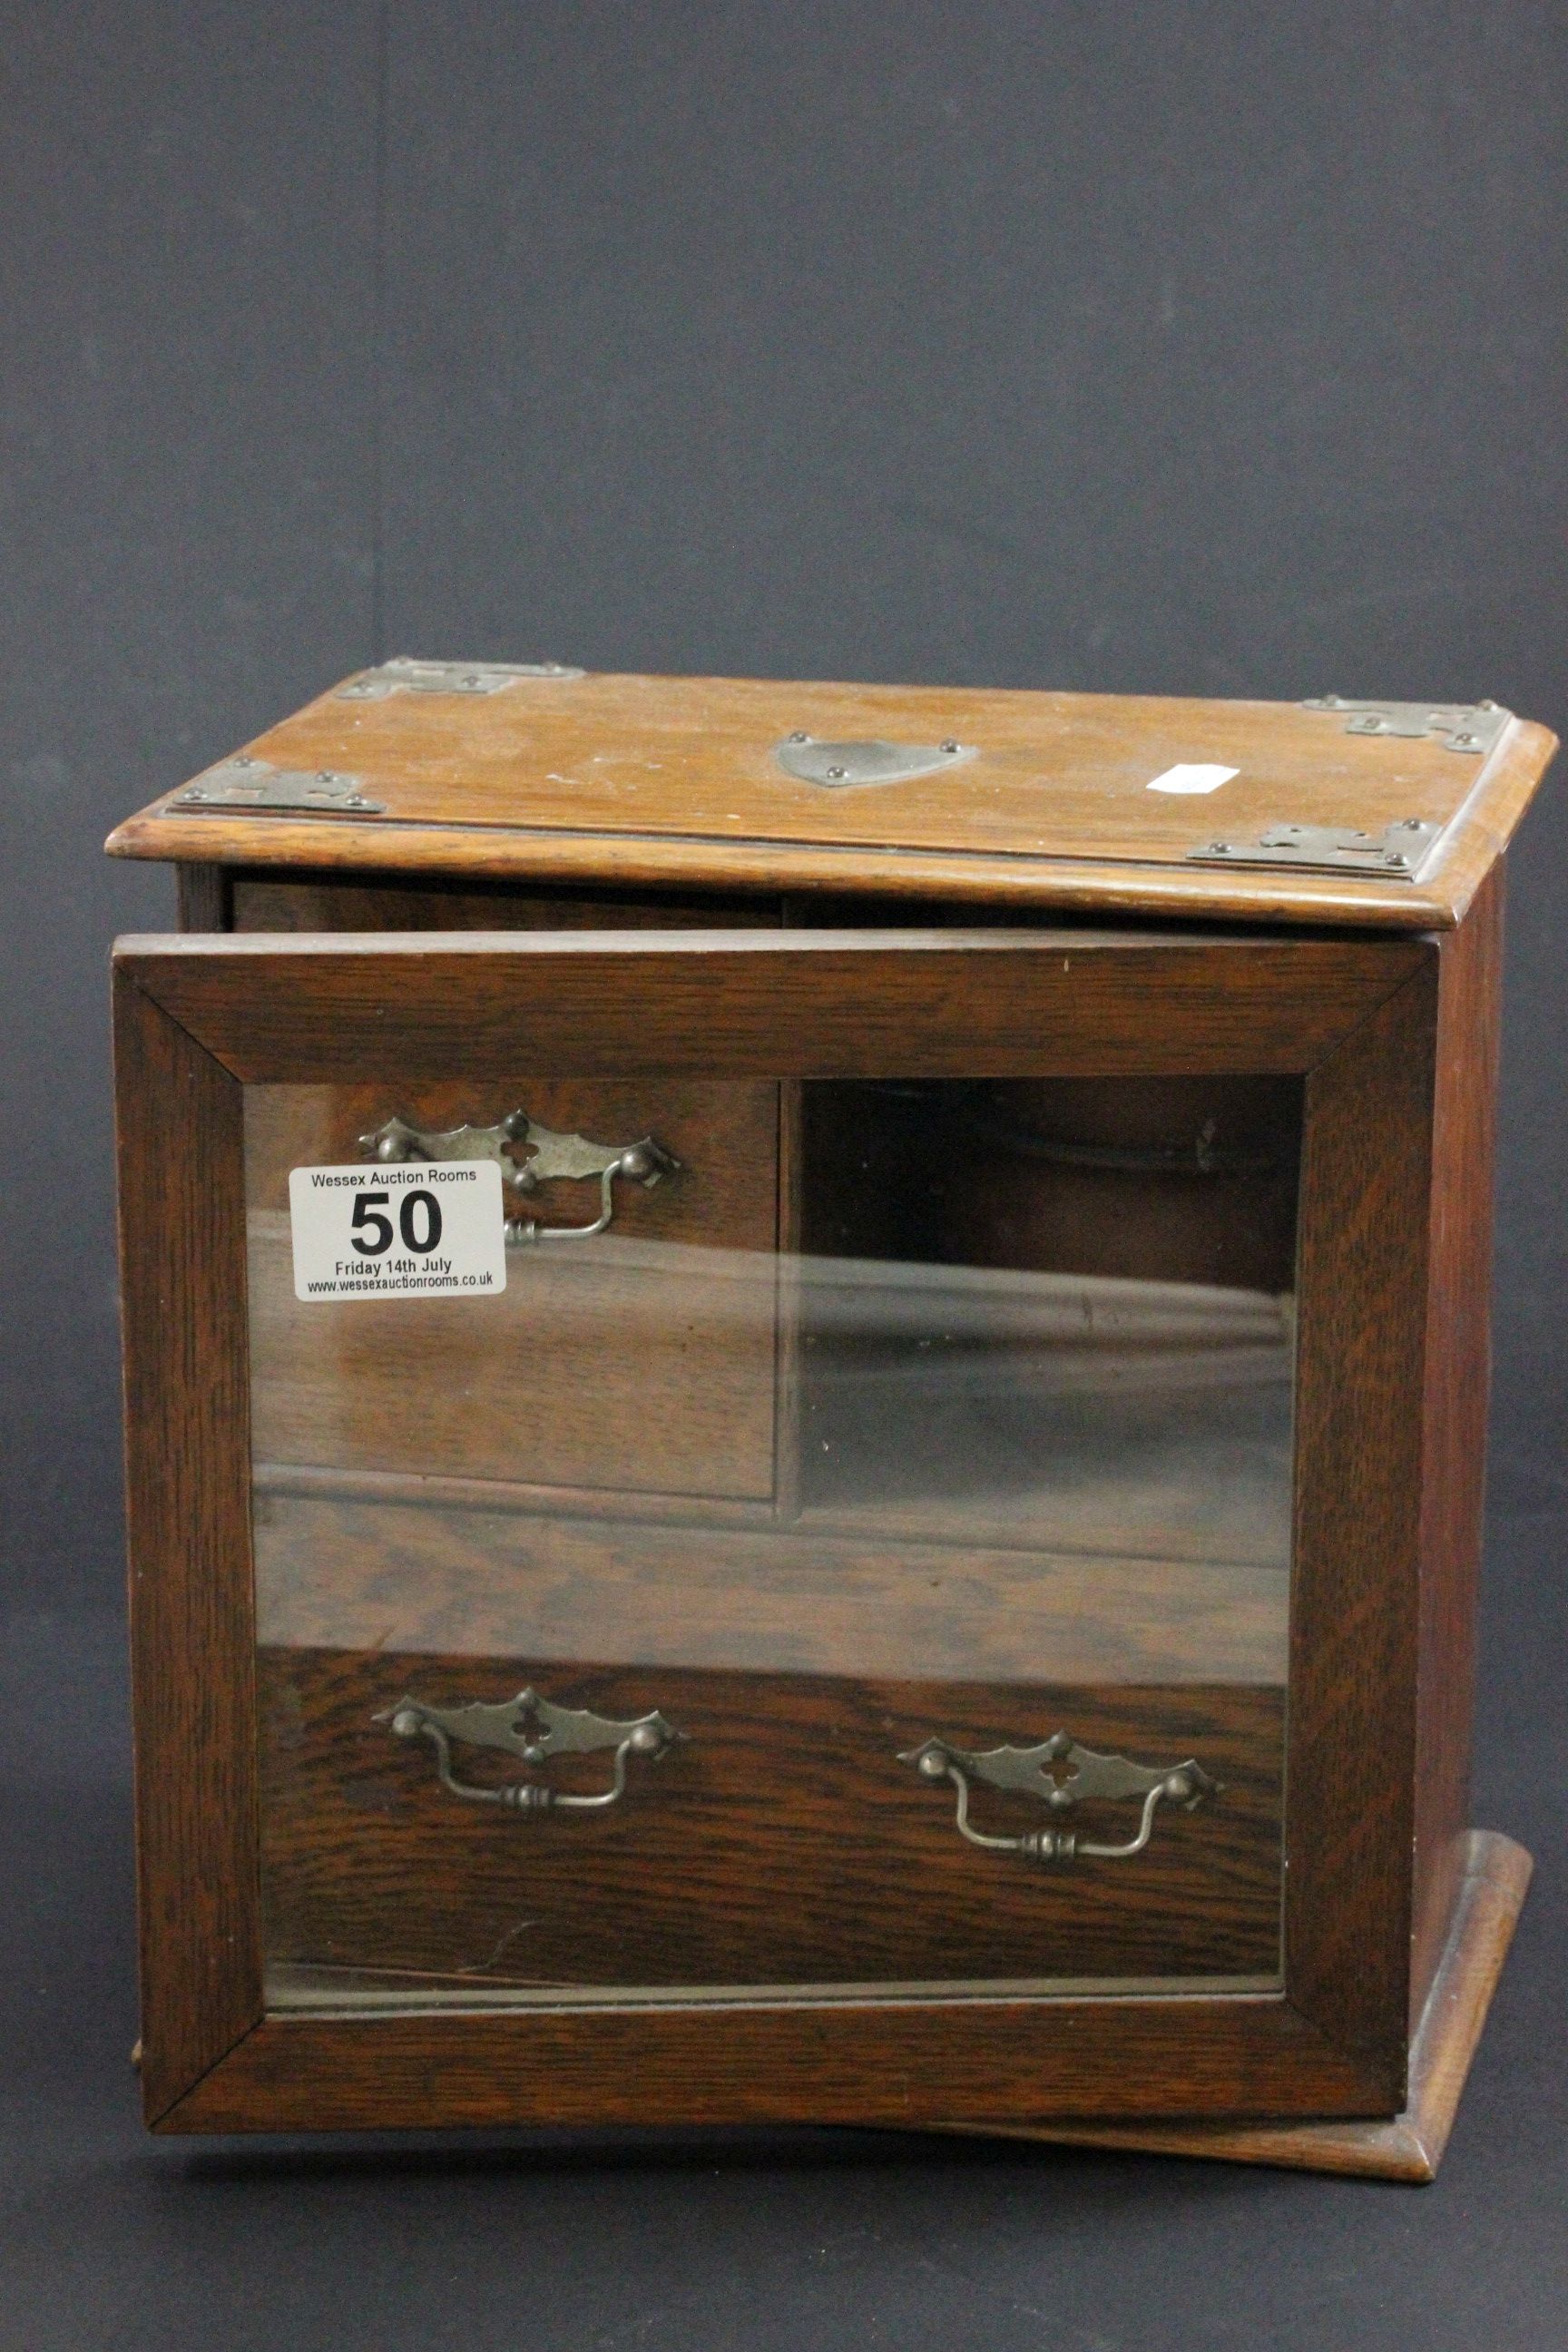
1062,1775
528,1155
533,1730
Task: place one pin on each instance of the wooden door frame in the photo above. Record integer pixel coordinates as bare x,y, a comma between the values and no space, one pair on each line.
198,1017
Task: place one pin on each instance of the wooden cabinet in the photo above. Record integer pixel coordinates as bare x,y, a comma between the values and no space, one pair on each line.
935,1583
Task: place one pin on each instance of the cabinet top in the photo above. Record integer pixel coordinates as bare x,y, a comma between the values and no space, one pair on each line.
1333,811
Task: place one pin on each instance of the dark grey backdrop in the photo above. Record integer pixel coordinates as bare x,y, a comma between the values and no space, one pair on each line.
1192,346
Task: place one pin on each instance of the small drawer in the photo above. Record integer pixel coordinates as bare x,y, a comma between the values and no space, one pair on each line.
778,1831
778,1822
641,1357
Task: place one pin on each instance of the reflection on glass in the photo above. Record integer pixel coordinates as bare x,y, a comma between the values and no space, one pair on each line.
864,1560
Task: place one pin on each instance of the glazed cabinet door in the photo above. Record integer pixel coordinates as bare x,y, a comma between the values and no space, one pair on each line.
750,1505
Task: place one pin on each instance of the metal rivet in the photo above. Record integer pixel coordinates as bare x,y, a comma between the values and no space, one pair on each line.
1398,858
1464,742
950,746
1413,824
1219,849
799,735
245,761
837,773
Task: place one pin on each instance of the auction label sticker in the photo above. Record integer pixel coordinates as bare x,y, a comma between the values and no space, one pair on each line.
411,1230
1192,776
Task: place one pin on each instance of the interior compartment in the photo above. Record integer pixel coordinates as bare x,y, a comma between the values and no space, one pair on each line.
1060,1307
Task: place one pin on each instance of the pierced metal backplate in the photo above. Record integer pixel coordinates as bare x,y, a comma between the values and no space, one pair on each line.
1062,1775
551,1158
533,1730
1472,727
249,784
396,1141
404,676
1399,852
838,764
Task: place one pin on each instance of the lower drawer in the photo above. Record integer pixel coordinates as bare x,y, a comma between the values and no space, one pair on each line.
784,1839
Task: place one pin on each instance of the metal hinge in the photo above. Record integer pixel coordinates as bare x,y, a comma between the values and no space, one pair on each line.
1399,852
817,763
1471,727
404,676
247,783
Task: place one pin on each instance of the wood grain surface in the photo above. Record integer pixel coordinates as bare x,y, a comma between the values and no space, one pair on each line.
780,1842
437,902
677,780
351,1008
1362,1302
338,1565
893,2060
1458,1378
1493,1879
206,898
182,1254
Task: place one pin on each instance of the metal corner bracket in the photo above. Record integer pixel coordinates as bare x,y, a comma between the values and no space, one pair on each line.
244,783
405,675
1472,727
1396,855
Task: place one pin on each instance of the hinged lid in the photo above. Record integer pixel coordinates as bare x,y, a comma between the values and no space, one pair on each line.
1328,810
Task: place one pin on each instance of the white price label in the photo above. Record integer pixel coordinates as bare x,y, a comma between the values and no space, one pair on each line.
410,1231
1192,776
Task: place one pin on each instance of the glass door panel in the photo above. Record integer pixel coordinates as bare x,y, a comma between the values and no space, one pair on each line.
857,1555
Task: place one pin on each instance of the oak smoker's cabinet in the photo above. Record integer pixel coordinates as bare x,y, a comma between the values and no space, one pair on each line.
805,1375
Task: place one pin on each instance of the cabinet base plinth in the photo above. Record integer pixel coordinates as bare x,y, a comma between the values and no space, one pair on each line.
1407,2146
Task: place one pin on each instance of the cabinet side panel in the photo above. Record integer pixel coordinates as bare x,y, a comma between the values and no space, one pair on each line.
205,898
1362,1287
182,1235
1458,1377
